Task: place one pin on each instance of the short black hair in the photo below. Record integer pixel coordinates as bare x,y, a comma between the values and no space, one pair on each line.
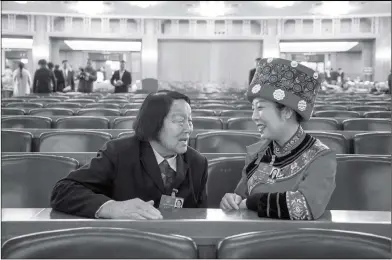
152,113
298,117
56,67
50,65
64,61
257,59
123,61
42,62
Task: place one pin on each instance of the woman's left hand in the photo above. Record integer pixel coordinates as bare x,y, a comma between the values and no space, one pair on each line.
243,204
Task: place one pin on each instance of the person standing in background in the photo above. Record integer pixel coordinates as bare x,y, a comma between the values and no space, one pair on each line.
6,83
252,71
86,77
22,81
68,76
51,68
44,80
60,78
341,75
390,82
121,79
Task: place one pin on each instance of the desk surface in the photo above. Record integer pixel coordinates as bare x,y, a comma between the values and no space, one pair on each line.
205,226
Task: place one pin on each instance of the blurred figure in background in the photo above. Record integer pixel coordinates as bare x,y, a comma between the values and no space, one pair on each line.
86,77
121,79
69,81
390,82
59,77
44,80
7,83
51,68
252,71
22,81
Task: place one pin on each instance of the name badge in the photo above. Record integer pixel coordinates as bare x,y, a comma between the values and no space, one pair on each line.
265,174
171,202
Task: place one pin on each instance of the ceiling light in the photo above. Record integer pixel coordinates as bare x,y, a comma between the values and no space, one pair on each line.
320,47
90,8
333,8
103,45
16,43
24,61
144,4
24,2
278,4
211,8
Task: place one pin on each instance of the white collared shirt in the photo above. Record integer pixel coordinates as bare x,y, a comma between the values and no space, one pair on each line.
121,74
172,160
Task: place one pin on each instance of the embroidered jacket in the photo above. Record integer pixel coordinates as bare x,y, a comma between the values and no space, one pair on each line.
302,184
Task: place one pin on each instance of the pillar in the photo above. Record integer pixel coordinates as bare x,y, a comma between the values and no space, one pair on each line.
367,58
382,50
41,44
271,41
55,51
149,51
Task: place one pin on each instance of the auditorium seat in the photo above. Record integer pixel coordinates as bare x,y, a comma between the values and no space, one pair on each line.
207,123
82,122
12,112
102,105
373,143
323,124
114,101
98,112
337,142
9,100
216,106
237,113
131,112
51,112
241,123
330,107
203,112
115,97
243,107
72,141
378,114
131,106
16,141
368,108
44,100
225,142
363,182
212,101
336,113
126,134
223,176
28,179
125,122
378,103
99,243
64,105
80,100
367,124
345,103
26,122
304,243
24,105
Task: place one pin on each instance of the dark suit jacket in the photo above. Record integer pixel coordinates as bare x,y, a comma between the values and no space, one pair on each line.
251,74
44,81
69,79
125,169
60,80
86,86
126,79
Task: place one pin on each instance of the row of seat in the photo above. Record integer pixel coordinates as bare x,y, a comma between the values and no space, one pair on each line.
363,182
239,123
207,142
109,110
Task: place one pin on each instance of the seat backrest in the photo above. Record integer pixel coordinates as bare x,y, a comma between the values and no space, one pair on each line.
44,100
150,85
378,103
126,134
131,106
125,122
322,124
330,107
336,113
237,113
26,122
306,243
114,101
28,180
363,182
225,142
51,112
72,141
64,105
378,114
241,123
369,108
216,106
80,100
131,112
203,112
223,176
98,112
367,124
12,111
373,143
207,123
24,105
82,122
102,105
335,141
100,243
16,141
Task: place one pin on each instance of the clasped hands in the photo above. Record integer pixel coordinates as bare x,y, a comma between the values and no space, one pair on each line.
232,201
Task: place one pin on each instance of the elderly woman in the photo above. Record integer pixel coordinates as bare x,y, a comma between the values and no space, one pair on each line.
288,174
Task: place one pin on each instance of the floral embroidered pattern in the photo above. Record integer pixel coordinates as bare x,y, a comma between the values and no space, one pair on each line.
290,145
279,94
302,105
256,89
297,206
